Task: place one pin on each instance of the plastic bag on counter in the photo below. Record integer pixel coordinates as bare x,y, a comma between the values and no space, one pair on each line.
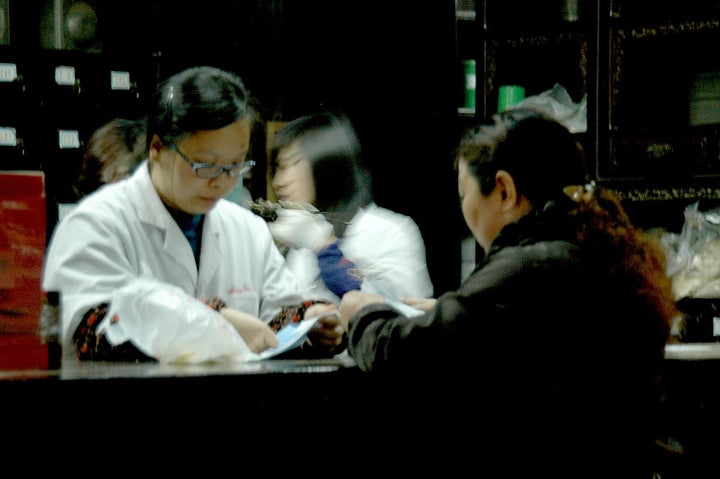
557,103
693,255
166,323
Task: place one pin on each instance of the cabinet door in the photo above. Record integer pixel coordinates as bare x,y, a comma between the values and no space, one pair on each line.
660,149
538,46
664,105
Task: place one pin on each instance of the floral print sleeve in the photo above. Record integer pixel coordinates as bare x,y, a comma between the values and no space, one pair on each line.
291,314
91,346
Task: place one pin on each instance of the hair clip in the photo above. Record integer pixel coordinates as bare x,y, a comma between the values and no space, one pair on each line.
579,193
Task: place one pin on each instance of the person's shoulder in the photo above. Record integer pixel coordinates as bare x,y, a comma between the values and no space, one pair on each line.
230,211
380,214
103,209
558,250
555,254
108,195
226,206
119,191
526,264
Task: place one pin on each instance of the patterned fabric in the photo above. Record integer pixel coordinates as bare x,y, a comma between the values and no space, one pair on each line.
215,303
291,314
91,346
306,350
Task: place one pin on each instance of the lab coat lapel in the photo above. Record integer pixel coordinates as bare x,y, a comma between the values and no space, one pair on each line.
152,211
176,245
210,258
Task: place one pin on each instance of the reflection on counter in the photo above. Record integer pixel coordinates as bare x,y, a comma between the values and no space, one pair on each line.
73,369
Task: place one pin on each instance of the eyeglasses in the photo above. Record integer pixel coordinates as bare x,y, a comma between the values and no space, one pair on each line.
209,170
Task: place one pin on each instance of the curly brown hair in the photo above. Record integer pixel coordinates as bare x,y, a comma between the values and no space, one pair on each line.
548,166
632,256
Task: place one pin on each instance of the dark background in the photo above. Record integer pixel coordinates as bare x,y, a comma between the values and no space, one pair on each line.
390,65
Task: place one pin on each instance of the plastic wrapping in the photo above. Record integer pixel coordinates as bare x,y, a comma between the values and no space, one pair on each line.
557,104
693,255
164,322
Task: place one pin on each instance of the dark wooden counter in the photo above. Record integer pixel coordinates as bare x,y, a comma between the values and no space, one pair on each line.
692,382
302,410
220,414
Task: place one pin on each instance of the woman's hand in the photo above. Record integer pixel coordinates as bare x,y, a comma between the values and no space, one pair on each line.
256,334
352,301
423,304
327,333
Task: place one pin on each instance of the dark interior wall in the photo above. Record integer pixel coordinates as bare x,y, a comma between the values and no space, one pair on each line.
391,69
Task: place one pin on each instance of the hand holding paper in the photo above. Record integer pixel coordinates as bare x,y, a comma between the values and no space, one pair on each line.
327,332
292,336
256,334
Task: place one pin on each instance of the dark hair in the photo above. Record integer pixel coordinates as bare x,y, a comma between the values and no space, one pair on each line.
540,154
196,99
119,143
331,145
548,167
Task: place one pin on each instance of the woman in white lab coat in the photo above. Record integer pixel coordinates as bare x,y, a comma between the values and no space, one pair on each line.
349,243
138,262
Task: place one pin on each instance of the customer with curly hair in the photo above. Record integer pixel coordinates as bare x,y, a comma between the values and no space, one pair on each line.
546,361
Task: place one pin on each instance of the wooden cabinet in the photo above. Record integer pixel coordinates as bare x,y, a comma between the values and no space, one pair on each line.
659,148
652,85
537,45
65,69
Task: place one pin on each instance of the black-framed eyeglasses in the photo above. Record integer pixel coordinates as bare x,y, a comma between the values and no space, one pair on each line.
210,170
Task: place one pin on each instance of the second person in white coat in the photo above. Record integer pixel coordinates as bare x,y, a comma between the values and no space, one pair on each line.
349,243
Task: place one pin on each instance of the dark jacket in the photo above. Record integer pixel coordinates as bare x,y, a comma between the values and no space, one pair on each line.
539,352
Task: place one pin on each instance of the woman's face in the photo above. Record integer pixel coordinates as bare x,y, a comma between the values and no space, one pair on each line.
481,213
293,180
174,178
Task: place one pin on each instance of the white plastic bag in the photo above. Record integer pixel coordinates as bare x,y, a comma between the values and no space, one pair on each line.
557,104
166,323
693,256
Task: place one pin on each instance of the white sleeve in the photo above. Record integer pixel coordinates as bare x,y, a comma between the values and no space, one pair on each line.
397,262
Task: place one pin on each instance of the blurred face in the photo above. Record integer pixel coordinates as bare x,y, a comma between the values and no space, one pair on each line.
116,171
293,180
175,180
482,213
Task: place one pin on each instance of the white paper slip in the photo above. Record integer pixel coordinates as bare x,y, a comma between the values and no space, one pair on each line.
372,286
290,337
407,310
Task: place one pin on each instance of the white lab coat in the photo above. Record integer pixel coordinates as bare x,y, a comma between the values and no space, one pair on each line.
388,250
123,233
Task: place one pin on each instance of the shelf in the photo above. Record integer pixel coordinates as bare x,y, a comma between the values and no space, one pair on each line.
466,112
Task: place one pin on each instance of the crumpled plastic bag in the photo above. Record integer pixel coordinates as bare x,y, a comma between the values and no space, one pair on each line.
166,323
693,255
557,103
